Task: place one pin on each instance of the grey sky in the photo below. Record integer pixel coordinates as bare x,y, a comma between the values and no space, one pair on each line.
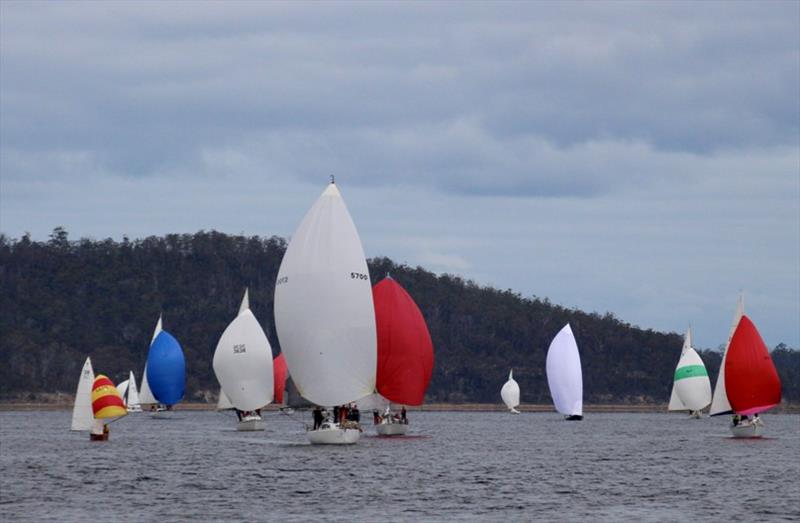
639,158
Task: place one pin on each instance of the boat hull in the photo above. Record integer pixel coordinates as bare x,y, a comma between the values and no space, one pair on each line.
333,436
574,417
251,424
748,430
391,429
513,411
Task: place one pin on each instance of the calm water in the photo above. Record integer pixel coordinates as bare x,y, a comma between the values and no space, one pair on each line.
457,466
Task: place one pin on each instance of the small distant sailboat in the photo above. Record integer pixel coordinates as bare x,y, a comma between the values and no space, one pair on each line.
164,380
130,394
82,417
510,393
324,314
107,405
405,354
691,389
243,365
564,375
750,381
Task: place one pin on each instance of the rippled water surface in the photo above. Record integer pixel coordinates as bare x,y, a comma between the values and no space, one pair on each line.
455,466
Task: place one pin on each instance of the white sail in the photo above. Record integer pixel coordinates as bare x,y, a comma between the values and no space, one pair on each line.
122,388
324,313
133,392
373,402
510,392
223,403
691,389
243,362
145,395
564,373
82,415
720,404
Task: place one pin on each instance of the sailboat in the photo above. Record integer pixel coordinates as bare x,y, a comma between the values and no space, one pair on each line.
324,314
164,381
691,388
510,393
405,354
750,381
82,417
564,375
243,365
107,405
130,395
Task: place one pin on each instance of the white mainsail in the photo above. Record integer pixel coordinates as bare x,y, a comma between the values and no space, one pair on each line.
133,392
223,403
564,373
122,388
243,361
720,404
82,415
510,392
145,395
691,389
324,313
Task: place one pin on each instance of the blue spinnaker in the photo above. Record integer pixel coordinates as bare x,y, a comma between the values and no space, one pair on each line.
166,369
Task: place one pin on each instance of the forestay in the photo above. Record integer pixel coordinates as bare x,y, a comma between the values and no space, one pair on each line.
243,361
323,306
564,373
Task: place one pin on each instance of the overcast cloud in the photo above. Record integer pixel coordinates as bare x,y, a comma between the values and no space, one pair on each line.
638,158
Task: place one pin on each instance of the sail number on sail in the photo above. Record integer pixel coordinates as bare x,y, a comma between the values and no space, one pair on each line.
359,276
238,349
282,280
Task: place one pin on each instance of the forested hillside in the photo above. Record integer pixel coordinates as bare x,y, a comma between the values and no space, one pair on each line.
62,300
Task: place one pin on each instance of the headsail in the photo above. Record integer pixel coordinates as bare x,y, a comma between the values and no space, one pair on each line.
279,373
323,306
564,373
166,369
145,395
106,401
510,392
691,388
82,417
405,350
133,394
752,383
243,361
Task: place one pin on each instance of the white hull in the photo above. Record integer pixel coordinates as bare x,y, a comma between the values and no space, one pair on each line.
251,424
134,408
391,429
748,430
333,436
513,411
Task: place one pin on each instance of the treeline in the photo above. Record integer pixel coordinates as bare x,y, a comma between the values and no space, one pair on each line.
61,300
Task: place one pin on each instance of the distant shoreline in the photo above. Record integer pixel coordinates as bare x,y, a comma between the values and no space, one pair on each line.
785,408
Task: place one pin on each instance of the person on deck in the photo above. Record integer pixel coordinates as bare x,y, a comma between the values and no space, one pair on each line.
317,418
403,416
376,417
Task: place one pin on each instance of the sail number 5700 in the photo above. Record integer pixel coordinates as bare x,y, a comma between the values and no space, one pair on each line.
359,276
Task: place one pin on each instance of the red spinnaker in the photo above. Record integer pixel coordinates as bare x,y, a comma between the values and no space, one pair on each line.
751,381
279,374
405,350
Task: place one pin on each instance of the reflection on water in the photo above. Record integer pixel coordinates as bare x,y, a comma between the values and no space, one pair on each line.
452,466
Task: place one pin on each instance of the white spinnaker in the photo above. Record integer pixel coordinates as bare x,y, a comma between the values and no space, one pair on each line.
693,392
133,392
82,415
510,391
145,395
122,388
243,362
720,403
323,307
223,403
675,402
564,373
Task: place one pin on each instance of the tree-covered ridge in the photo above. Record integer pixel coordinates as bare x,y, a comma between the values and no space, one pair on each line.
61,300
